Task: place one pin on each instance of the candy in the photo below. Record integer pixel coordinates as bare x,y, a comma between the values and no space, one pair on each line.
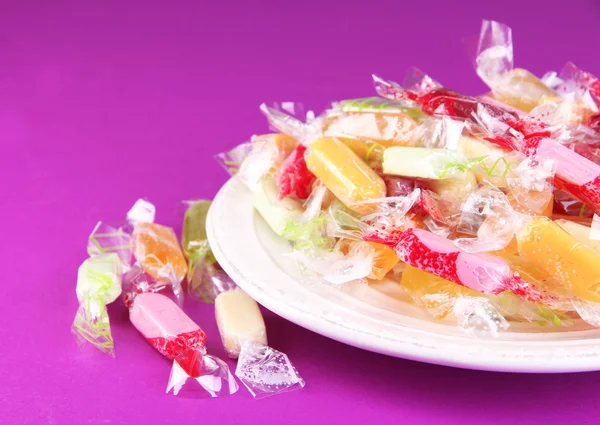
204,273
193,236
442,298
284,143
157,250
422,163
98,284
454,189
165,326
173,334
513,86
277,213
344,174
384,260
574,173
293,177
239,321
373,119
579,232
481,272
545,245
521,89
432,293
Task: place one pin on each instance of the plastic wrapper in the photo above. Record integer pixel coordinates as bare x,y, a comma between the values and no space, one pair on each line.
173,334
385,122
282,118
205,278
157,251
253,160
547,246
494,63
263,370
98,284
488,214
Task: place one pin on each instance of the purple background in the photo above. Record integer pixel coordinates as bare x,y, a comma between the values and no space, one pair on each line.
102,103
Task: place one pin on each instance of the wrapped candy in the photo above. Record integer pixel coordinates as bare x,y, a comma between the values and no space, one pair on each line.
157,251
385,122
481,272
173,334
494,63
263,370
98,284
344,174
205,278
544,244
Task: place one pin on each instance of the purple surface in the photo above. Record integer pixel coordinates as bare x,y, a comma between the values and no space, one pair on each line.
102,103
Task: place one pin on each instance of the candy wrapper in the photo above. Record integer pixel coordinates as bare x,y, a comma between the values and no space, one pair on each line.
494,63
98,284
173,334
99,278
205,278
263,370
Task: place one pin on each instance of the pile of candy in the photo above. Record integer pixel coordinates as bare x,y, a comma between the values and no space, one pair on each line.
143,262
481,208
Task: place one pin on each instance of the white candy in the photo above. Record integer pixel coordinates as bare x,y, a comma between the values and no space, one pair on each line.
239,321
422,162
277,213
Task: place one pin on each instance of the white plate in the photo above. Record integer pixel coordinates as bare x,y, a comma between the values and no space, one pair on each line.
253,256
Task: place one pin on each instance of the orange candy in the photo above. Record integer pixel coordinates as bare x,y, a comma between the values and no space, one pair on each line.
385,259
158,252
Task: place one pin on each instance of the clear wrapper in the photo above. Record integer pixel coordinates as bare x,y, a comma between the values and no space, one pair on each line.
157,252
98,284
173,334
495,65
488,214
205,278
265,371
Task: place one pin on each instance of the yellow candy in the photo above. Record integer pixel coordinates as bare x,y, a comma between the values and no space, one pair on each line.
546,246
434,294
529,271
546,209
521,89
344,174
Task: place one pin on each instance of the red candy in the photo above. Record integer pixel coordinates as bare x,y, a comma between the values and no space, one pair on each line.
294,178
412,251
173,347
